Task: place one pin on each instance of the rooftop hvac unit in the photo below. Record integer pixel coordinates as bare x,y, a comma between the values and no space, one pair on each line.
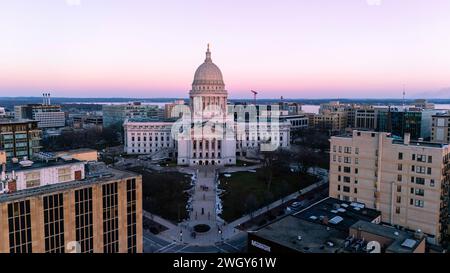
26,163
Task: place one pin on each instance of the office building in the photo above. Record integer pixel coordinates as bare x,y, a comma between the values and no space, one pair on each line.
55,206
365,118
332,121
440,132
116,114
416,122
19,138
87,122
408,181
46,114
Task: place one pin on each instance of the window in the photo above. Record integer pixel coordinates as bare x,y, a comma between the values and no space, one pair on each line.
399,167
431,182
347,160
420,169
334,148
339,178
33,179
397,210
400,156
356,150
347,169
420,180
346,179
399,199
413,157
339,168
110,218
356,170
356,161
339,187
355,190
64,174
421,158
348,150
334,158
429,170
399,188
84,220
346,189
419,203
399,178
19,219
420,192
131,216
54,223
430,159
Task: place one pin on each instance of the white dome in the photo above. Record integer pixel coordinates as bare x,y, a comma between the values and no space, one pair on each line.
208,73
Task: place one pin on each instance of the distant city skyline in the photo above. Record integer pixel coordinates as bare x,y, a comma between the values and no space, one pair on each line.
295,49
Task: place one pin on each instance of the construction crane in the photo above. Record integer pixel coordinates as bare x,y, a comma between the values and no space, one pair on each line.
254,95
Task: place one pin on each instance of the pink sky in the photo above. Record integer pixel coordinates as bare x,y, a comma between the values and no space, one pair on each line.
297,48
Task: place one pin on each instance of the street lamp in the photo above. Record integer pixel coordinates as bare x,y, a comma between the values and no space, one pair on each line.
221,235
181,235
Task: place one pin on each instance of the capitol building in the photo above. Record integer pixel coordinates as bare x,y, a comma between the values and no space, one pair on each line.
209,131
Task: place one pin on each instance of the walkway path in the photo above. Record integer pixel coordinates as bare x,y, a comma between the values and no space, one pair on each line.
203,210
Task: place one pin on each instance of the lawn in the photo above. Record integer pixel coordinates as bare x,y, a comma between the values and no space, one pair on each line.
165,193
245,192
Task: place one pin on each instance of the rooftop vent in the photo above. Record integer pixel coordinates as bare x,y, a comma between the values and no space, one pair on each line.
409,243
336,220
26,163
66,158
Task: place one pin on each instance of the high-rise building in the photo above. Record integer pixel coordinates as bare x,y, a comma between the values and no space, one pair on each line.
440,131
19,138
408,181
116,114
333,121
397,121
46,114
365,118
54,206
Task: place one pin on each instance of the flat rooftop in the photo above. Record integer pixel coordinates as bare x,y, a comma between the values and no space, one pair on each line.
323,227
149,119
402,241
6,121
338,214
76,151
38,164
313,237
101,175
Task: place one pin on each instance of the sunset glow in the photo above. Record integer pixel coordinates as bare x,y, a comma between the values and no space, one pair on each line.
294,48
